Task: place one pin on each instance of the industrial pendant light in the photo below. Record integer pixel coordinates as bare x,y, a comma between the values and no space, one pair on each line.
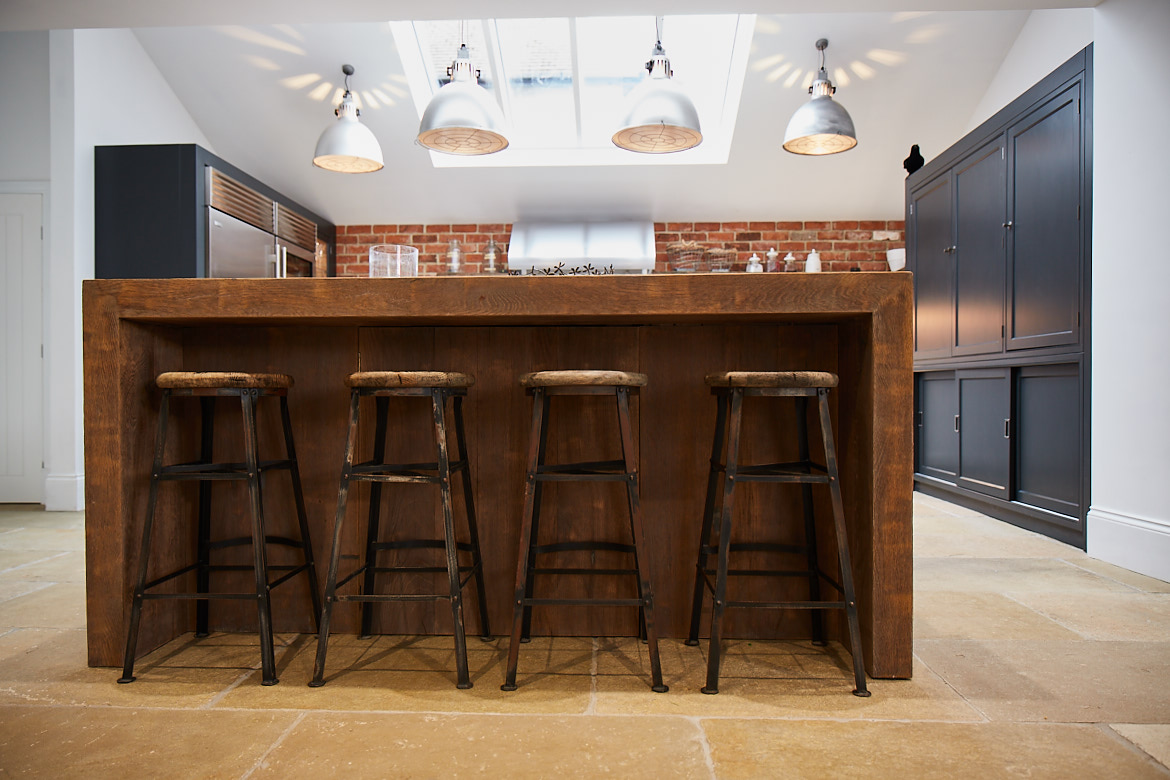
660,118
348,146
462,117
820,126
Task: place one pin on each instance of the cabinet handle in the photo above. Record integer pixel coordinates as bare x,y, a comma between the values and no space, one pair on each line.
1008,224
956,423
950,249
1007,427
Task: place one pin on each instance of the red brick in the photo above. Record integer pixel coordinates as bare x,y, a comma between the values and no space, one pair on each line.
464,228
816,225
761,226
723,236
872,225
354,229
679,227
850,225
708,226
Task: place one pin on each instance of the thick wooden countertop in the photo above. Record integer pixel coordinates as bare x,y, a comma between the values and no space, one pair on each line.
675,328
505,300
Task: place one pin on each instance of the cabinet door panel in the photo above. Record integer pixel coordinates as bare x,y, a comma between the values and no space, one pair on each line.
980,213
938,441
984,443
1048,431
933,270
1045,261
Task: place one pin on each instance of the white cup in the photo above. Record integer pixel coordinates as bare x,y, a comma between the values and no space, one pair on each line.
393,260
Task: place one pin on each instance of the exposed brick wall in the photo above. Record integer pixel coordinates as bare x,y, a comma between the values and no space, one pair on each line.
843,245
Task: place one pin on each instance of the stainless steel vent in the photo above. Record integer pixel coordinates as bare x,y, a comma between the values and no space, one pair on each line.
293,227
582,247
229,196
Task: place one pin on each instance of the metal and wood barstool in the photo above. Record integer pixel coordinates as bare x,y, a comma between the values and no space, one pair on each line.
248,388
730,388
440,387
543,386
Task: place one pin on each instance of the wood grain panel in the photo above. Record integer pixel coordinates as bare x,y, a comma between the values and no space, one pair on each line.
673,328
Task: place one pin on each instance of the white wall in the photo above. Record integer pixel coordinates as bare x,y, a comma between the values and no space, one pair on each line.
1046,40
1129,520
24,106
104,90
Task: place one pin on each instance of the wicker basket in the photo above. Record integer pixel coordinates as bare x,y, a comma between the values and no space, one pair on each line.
686,257
721,260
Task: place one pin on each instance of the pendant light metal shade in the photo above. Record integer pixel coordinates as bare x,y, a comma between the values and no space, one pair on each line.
348,146
463,117
821,126
660,117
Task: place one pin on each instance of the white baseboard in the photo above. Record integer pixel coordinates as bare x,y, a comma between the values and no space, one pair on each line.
65,493
1136,543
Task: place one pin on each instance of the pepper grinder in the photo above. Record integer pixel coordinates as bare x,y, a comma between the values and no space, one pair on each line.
454,257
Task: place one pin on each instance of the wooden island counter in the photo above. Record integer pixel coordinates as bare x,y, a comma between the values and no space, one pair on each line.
674,328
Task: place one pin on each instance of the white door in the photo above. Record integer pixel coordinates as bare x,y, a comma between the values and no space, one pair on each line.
22,477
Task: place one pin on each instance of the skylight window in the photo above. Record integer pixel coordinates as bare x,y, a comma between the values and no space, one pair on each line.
562,82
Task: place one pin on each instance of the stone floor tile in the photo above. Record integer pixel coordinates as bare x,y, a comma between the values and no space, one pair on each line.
1009,575
816,684
123,743
1153,739
43,536
1142,617
1125,576
1057,681
44,666
413,674
514,746
46,566
947,615
819,749
60,605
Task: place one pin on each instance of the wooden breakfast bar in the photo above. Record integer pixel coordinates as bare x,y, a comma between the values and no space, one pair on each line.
673,328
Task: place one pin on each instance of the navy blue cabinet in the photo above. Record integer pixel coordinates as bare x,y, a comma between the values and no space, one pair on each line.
998,237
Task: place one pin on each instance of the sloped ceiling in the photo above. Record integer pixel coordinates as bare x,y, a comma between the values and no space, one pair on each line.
231,76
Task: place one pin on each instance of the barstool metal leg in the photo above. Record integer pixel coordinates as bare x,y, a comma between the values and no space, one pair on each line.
714,651
842,546
203,543
382,405
708,517
530,583
485,629
259,548
641,559
144,553
810,524
302,514
438,405
531,490
335,550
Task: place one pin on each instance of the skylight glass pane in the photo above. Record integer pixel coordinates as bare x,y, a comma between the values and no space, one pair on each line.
612,52
538,78
439,41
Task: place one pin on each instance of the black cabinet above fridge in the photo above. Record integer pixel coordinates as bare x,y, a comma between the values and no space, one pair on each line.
177,210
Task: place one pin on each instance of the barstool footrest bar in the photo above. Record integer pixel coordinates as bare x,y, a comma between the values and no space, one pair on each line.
583,602
787,604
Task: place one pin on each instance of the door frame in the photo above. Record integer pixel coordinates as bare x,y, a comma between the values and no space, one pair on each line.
39,187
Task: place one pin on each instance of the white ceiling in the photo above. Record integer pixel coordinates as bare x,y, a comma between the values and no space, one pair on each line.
948,59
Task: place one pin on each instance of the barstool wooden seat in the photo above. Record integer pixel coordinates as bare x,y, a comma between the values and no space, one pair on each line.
730,388
439,386
249,388
543,386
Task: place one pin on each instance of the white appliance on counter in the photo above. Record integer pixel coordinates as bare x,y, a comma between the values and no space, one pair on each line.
251,236
581,247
